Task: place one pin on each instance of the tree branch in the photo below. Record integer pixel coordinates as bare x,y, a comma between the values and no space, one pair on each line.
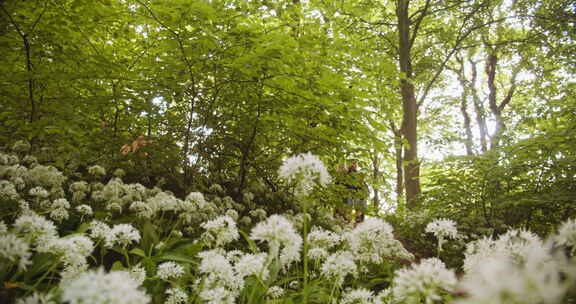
28,62
418,21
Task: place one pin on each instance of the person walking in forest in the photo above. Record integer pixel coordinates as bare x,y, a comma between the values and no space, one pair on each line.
358,193
355,192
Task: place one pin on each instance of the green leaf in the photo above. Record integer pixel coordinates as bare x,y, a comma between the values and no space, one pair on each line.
118,266
138,252
176,258
251,244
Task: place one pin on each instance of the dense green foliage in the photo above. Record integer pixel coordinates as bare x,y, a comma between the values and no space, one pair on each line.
184,94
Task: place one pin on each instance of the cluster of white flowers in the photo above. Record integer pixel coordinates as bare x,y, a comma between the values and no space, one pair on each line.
442,229
427,280
163,201
14,250
275,292
358,296
59,210
233,214
8,191
176,296
35,228
120,234
252,264
98,287
339,265
138,273
258,214
372,241
37,298
514,244
142,209
73,249
169,270
79,190
220,231
307,170
85,210
320,241
221,283
567,234
47,177
123,235
282,239
21,146
97,171
99,230
539,278
38,192
195,209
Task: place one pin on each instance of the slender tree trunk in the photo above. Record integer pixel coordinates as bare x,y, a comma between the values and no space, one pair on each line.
479,109
409,106
467,126
469,141
28,60
491,64
398,147
495,107
375,177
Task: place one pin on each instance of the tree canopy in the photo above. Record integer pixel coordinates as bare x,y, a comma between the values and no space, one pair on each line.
221,91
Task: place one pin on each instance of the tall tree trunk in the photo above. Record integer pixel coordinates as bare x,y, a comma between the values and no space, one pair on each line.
469,141
409,106
491,64
467,126
479,108
495,107
375,177
399,169
28,58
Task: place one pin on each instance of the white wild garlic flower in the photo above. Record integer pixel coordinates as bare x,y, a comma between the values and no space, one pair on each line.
358,296
282,238
339,265
428,280
252,264
14,250
38,192
514,244
500,279
176,295
123,235
97,171
220,231
142,209
275,292
138,273
36,298
219,271
99,287
442,229
35,227
169,270
59,214
8,191
372,241
567,234
73,249
85,210
320,241
99,230
306,170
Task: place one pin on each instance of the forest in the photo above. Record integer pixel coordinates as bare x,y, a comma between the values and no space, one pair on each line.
288,151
